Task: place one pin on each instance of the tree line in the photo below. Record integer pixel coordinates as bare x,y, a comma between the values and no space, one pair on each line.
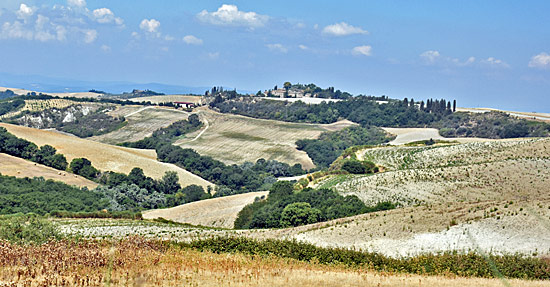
366,111
46,155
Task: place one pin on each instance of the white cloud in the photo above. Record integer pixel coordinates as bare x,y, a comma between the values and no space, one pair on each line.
231,16
77,3
430,56
90,36
343,29
15,30
541,61
277,48
192,40
25,11
362,50
150,26
491,61
73,21
169,38
105,15
105,48
303,47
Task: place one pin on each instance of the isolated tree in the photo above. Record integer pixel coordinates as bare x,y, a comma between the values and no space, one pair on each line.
454,106
287,86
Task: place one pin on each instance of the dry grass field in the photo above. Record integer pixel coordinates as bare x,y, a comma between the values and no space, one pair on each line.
215,212
142,122
18,167
103,156
136,262
168,99
61,95
236,139
483,196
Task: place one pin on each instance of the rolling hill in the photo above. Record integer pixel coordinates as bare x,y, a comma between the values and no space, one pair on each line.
18,167
215,212
103,156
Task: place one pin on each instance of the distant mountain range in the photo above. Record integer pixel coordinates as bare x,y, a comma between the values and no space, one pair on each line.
60,85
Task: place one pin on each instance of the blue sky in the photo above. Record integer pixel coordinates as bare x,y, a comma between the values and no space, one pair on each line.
482,53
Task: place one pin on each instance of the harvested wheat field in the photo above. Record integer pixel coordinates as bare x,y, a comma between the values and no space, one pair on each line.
168,99
103,156
215,212
236,139
18,167
137,262
142,122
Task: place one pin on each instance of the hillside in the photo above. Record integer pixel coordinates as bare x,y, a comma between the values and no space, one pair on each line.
105,157
14,166
482,196
228,136
141,123
215,212
168,99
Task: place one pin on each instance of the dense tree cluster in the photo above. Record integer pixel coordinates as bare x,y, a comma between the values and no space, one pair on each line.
284,207
324,150
362,110
359,167
43,196
494,125
238,178
46,155
167,134
10,106
7,94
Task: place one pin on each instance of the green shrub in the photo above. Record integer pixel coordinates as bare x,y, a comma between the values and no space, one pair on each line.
24,229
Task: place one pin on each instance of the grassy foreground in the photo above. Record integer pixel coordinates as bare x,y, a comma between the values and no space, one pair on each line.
140,262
